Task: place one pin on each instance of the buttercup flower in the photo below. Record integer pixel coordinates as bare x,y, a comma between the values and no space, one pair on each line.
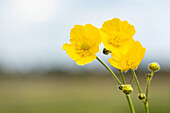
117,35
85,41
129,60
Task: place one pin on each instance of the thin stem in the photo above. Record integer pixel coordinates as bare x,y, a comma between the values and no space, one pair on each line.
118,81
147,92
122,77
137,82
148,84
130,104
127,96
146,108
139,88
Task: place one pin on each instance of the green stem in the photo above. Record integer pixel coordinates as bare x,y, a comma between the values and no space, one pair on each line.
147,92
122,77
137,82
146,108
109,70
130,104
127,96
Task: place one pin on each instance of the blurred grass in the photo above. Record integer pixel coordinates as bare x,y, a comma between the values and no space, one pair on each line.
78,94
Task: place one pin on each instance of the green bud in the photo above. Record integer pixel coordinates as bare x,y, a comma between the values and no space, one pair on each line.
154,67
148,76
121,86
106,52
127,89
141,96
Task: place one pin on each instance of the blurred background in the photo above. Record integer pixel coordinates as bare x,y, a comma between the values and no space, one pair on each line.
37,76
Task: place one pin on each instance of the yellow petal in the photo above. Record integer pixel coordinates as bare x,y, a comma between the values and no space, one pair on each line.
93,36
77,33
114,63
85,60
127,29
111,26
70,50
124,49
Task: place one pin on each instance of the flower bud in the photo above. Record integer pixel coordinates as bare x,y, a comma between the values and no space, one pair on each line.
148,76
127,89
141,96
121,86
154,67
106,52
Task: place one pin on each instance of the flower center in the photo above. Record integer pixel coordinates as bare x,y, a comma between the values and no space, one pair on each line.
84,46
114,40
83,49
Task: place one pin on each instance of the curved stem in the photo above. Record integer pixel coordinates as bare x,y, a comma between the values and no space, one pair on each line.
137,82
118,81
127,96
147,92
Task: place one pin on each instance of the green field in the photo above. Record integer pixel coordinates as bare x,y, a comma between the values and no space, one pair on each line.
64,94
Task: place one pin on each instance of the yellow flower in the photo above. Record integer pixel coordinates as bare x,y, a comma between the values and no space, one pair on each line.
129,60
117,34
85,41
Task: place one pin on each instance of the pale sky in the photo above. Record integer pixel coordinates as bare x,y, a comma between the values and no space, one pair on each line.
32,32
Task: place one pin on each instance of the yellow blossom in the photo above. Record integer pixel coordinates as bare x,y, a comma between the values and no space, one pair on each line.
85,41
129,60
117,35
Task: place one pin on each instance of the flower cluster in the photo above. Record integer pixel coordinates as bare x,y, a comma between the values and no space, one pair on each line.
117,37
126,53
